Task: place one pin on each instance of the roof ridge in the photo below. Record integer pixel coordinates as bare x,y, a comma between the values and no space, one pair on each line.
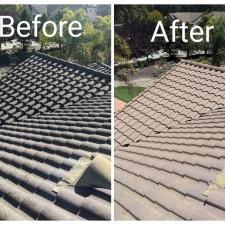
81,67
222,69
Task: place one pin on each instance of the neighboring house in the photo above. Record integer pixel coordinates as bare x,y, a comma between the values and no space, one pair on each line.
214,13
51,10
55,141
103,10
187,17
170,148
191,17
37,9
92,12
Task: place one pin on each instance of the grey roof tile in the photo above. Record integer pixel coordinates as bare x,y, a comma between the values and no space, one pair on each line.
53,113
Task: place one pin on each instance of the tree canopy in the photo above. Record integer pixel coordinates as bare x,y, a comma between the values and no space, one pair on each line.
136,24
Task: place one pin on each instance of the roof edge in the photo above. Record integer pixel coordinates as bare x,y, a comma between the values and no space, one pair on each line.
203,65
74,65
103,64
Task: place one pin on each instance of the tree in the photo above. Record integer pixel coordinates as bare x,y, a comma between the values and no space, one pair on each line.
190,46
25,15
130,14
121,49
203,23
138,24
217,39
155,16
148,29
78,49
170,47
8,10
102,40
44,40
93,44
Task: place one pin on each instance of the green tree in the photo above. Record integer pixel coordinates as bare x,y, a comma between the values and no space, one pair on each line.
203,23
138,24
8,10
25,15
217,40
91,46
148,30
155,16
191,46
44,40
170,47
102,40
78,49
121,49
122,55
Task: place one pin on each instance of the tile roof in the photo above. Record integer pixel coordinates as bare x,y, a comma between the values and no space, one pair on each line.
101,67
65,115
43,83
217,13
38,9
183,93
169,163
190,17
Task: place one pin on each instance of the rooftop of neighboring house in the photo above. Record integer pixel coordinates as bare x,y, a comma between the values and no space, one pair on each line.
52,9
189,17
192,17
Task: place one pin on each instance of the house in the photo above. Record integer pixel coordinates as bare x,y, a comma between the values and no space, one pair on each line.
55,137
103,10
215,13
52,10
169,148
92,12
187,17
36,9
192,17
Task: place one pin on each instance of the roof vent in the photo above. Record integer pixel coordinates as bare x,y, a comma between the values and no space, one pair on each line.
94,172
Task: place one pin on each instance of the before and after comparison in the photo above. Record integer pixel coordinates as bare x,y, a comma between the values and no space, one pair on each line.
112,112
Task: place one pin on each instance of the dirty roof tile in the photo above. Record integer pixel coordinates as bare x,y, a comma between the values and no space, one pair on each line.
52,113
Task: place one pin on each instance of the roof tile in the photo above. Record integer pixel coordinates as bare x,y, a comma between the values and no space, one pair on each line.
174,150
